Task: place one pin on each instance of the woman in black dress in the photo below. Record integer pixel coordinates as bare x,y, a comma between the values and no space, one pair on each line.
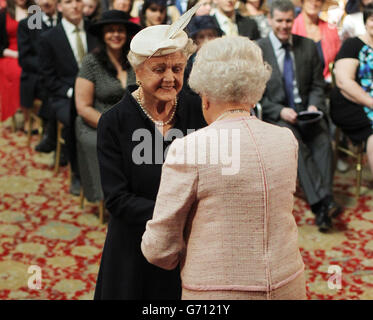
351,101
132,140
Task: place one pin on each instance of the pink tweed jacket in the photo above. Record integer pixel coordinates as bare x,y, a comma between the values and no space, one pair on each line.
229,229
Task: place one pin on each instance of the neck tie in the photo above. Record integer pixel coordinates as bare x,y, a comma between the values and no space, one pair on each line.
51,22
79,45
231,27
288,76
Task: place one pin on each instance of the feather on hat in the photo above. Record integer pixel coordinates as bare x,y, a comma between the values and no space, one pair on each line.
163,39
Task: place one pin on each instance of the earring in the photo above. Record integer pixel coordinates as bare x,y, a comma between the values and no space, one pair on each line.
203,106
138,82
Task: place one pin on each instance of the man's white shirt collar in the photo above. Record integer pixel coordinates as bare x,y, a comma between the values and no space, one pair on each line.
70,28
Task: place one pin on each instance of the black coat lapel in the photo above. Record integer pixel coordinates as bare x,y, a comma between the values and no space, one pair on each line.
64,45
276,73
91,40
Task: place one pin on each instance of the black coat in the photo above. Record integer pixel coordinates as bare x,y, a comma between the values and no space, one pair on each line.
309,77
28,49
130,192
4,42
246,26
57,61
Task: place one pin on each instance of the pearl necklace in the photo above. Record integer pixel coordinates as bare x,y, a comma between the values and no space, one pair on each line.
157,122
231,111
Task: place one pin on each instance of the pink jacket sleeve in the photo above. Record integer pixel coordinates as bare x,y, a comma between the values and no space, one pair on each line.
163,242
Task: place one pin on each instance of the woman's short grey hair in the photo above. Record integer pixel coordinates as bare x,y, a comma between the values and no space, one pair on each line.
136,60
230,70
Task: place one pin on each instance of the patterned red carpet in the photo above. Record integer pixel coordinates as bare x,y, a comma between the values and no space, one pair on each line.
41,224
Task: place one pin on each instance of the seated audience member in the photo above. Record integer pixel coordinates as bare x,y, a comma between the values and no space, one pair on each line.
101,83
232,22
61,52
201,29
204,9
257,10
32,85
353,24
309,25
213,222
92,10
125,6
10,71
153,12
352,98
297,85
154,9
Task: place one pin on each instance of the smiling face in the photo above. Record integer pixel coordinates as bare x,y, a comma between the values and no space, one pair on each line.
282,23
162,77
115,36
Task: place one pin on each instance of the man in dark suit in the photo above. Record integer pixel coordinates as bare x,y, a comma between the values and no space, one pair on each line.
61,52
296,85
28,48
232,23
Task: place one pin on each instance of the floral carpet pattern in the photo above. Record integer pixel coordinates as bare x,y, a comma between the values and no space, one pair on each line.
42,225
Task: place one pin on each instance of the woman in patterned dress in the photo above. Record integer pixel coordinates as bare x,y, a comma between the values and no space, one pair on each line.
352,98
101,83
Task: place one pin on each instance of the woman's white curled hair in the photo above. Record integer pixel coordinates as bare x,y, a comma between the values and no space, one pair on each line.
230,70
136,60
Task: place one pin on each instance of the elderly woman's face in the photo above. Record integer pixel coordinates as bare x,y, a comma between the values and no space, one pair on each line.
162,77
312,7
115,36
155,15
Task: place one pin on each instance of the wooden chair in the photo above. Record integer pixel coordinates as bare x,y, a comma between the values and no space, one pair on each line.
32,115
60,141
101,205
356,151
14,124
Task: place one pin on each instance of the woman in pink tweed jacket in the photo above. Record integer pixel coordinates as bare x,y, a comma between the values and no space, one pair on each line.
224,206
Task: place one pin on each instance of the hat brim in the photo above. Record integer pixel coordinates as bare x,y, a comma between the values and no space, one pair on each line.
309,116
96,29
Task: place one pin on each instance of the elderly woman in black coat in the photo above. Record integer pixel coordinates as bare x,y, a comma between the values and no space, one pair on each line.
132,139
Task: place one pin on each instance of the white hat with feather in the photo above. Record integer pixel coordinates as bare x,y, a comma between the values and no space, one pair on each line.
163,39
